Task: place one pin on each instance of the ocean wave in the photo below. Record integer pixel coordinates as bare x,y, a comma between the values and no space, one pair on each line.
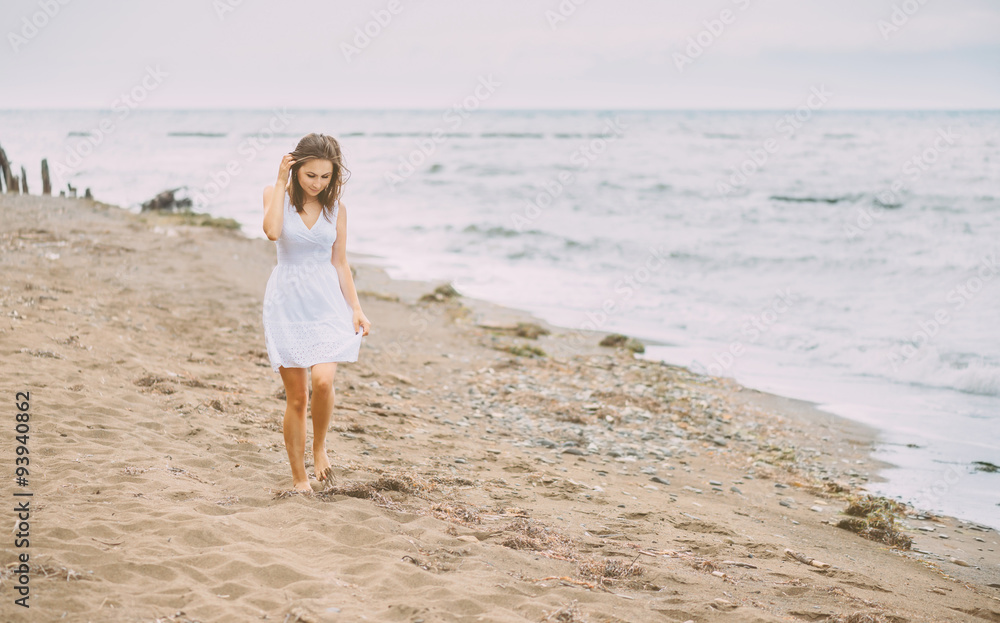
281,134
977,377
970,374
498,231
888,205
811,199
984,381
512,135
658,188
199,134
565,135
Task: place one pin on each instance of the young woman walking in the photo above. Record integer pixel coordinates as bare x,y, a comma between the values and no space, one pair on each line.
312,316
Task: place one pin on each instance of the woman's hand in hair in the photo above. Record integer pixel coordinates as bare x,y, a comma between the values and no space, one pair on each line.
286,164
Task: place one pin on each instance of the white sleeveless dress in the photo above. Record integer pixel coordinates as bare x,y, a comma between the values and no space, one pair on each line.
307,320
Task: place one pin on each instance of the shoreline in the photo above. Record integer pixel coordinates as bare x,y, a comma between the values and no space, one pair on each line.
508,468
879,436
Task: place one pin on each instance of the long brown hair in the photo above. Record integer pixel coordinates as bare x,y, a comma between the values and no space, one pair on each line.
319,146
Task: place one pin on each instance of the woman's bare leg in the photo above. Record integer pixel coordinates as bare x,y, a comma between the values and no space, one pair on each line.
294,425
323,396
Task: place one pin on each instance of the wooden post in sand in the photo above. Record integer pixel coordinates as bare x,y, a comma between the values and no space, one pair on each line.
24,181
46,184
5,170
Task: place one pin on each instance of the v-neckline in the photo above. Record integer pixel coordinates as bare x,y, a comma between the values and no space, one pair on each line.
302,220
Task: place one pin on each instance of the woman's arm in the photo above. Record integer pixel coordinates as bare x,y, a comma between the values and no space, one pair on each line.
272,225
339,260
274,200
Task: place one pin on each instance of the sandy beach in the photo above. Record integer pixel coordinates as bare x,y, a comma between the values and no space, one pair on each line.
483,473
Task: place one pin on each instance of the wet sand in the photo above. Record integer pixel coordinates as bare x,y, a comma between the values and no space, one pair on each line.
476,479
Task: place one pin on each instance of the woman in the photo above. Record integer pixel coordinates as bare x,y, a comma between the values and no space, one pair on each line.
312,315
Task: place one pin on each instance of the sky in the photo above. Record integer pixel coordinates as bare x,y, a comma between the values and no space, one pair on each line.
542,54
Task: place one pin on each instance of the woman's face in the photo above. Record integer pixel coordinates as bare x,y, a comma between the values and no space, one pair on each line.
314,176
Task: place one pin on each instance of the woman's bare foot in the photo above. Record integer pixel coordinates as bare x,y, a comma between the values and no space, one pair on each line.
304,487
322,464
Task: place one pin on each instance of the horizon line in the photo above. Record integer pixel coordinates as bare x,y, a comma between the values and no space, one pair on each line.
526,109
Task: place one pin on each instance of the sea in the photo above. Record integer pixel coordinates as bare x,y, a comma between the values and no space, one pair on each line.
847,258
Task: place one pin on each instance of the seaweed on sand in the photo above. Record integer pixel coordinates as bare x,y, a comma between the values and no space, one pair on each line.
608,570
875,518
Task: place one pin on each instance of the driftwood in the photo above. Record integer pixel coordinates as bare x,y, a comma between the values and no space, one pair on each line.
806,560
24,181
46,184
88,195
70,190
5,170
166,201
